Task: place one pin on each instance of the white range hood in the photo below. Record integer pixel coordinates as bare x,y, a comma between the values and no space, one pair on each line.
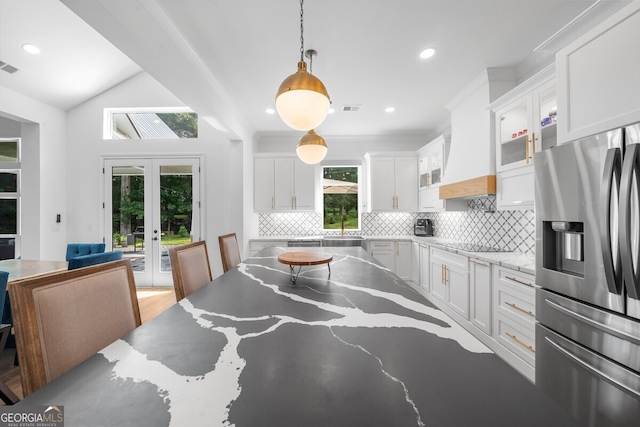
471,166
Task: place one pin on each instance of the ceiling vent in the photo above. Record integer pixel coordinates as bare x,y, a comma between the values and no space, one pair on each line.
351,107
8,68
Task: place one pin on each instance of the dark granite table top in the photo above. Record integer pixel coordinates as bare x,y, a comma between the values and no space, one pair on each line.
358,348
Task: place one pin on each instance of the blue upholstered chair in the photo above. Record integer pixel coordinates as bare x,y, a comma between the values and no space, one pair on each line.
93,259
7,396
81,249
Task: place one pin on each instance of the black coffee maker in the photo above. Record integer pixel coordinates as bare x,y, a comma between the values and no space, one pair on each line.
423,227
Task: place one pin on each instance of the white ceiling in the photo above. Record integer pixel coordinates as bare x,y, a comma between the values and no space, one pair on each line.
226,58
75,62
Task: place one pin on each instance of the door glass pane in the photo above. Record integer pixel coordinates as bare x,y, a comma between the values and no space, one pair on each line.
8,182
176,209
8,216
128,213
548,119
9,151
436,167
513,133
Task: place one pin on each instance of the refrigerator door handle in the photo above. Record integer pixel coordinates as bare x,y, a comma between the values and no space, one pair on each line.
629,170
612,268
592,369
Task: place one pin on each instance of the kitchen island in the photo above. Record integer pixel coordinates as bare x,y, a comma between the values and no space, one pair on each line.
358,348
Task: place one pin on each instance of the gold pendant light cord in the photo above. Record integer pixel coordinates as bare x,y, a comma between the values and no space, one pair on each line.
301,30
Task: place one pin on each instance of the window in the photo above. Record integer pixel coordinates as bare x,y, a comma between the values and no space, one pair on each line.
150,124
340,198
9,197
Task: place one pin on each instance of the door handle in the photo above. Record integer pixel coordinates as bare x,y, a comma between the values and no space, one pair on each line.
612,270
631,163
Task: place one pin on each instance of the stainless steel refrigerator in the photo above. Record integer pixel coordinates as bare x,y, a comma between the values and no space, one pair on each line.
587,267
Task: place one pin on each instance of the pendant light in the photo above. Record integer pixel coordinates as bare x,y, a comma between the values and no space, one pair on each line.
311,148
302,100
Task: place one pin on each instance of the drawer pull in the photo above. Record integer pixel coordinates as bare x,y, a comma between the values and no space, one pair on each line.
479,263
513,337
510,304
519,281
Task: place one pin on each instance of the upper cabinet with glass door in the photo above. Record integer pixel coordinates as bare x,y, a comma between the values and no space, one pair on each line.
432,162
525,122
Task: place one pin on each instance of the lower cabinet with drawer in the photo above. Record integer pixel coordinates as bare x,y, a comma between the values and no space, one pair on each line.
515,317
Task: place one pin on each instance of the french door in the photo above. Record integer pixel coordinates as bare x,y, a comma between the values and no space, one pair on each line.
151,204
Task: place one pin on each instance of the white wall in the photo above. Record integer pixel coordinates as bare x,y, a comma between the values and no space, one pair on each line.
222,169
43,133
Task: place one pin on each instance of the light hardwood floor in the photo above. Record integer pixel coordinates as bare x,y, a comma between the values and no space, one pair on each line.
151,301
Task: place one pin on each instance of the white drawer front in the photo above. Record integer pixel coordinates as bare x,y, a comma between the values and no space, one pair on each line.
517,339
516,303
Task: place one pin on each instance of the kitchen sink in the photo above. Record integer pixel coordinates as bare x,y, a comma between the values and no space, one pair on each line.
341,241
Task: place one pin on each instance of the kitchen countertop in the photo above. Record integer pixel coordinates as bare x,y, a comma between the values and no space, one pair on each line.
514,260
356,347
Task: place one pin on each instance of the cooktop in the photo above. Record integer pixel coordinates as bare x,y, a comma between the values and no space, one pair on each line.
471,247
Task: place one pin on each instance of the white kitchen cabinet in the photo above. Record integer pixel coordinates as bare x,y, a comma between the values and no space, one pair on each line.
393,182
395,255
384,251
425,268
283,184
429,201
431,162
415,263
515,314
598,79
450,280
515,189
525,123
480,295
403,260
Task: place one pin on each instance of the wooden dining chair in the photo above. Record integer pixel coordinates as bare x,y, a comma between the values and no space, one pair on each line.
229,251
190,268
63,318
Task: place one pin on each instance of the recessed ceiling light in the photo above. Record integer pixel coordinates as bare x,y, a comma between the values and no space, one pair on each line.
428,53
28,47
270,111
390,109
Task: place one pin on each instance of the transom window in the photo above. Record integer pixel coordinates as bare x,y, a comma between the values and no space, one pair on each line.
156,123
340,198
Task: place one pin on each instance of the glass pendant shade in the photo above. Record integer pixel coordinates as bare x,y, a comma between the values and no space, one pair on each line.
311,148
302,100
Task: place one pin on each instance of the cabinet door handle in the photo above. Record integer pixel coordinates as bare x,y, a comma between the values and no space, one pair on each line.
526,148
527,312
273,203
295,200
519,281
533,145
397,249
442,273
479,263
514,338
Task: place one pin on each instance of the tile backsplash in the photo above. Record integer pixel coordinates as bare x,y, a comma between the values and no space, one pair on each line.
481,224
